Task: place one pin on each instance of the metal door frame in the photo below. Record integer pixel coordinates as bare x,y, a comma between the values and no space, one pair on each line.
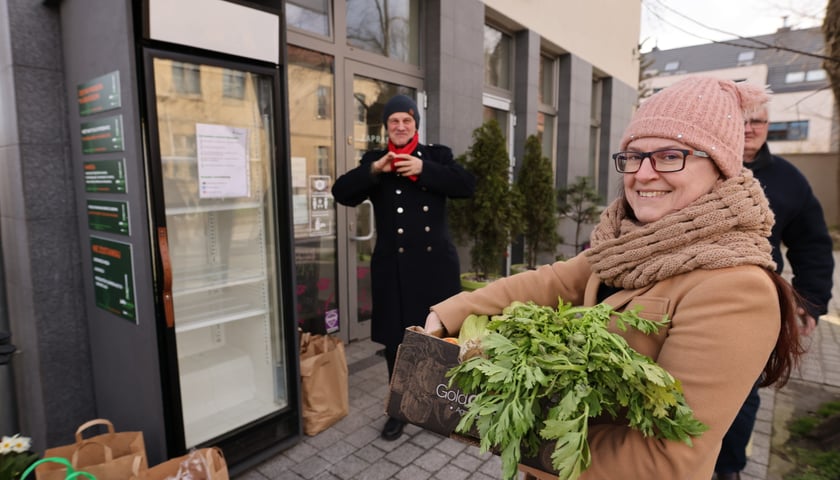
356,329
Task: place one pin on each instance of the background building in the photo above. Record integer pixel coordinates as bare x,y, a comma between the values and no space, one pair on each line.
803,120
537,69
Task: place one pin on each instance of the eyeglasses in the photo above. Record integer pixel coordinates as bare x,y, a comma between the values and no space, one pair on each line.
670,160
755,122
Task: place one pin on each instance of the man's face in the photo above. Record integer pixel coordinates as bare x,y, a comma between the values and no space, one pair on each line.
755,133
401,128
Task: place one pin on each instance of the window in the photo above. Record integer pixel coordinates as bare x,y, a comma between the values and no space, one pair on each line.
183,145
787,131
310,15
547,114
323,160
746,57
815,75
323,96
595,129
361,107
672,66
233,84
547,82
186,77
497,58
386,27
795,77
546,133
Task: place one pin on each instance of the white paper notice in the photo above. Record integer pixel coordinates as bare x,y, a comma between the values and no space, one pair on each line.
223,169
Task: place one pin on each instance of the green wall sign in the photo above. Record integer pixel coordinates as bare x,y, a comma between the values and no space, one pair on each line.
113,277
103,135
100,94
105,176
105,216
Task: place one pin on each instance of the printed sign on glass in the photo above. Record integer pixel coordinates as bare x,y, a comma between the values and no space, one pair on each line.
223,170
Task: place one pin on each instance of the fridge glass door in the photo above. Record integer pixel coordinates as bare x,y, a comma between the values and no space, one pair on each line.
215,129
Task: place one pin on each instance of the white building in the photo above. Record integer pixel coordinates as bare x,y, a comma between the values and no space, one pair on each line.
802,112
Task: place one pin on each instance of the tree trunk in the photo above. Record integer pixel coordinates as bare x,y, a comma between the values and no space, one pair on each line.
831,33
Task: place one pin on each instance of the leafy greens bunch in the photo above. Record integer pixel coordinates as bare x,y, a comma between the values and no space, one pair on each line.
544,372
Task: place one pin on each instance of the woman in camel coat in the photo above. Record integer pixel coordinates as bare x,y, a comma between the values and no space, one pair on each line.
687,240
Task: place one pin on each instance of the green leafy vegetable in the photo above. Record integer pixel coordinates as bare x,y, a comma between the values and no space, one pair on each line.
544,372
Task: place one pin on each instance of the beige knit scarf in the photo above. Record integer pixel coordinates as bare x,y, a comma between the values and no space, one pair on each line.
729,226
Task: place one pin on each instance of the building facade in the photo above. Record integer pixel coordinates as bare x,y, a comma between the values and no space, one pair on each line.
803,115
533,66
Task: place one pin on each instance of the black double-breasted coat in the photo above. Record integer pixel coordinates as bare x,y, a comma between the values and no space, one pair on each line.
414,263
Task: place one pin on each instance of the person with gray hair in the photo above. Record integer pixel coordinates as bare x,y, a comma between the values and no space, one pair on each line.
800,227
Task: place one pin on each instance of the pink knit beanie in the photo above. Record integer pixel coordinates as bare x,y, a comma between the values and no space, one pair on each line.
703,112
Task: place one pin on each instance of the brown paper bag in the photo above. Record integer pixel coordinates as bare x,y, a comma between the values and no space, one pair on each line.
201,464
109,456
323,371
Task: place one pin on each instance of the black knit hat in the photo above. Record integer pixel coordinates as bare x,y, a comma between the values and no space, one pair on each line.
401,103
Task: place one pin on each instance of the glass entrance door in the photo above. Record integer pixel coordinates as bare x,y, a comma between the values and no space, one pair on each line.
333,244
368,91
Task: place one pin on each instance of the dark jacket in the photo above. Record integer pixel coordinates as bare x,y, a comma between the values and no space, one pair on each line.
414,263
800,226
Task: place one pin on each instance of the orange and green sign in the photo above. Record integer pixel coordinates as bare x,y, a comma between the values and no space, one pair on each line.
100,94
113,277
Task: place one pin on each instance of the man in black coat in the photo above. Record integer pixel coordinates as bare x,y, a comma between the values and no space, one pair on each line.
414,263
800,226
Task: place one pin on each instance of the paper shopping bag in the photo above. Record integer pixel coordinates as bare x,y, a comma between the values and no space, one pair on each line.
108,456
201,464
323,371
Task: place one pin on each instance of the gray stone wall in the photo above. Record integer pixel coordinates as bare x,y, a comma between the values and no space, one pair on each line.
39,230
454,71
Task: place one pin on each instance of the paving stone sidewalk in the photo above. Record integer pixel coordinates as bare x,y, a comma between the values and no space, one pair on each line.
352,449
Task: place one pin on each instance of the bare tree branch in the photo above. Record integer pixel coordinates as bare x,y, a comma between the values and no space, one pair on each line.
750,43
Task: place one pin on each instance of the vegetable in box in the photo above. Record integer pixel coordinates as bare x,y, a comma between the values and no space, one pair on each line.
539,373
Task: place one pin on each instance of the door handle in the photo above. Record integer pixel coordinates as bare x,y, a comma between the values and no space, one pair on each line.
168,307
369,235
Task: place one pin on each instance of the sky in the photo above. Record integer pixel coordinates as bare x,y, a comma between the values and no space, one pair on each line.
681,23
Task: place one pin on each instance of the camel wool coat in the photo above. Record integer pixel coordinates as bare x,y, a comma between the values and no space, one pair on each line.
724,325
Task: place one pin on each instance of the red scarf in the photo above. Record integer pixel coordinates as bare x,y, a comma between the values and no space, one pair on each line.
407,148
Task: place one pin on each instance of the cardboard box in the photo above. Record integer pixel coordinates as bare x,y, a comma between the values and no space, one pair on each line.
420,393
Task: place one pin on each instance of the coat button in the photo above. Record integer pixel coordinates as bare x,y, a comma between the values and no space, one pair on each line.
399,192
429,249
425,208
427,229
401,250
399,209
400,231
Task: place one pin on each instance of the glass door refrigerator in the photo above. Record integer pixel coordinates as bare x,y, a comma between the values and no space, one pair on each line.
221,221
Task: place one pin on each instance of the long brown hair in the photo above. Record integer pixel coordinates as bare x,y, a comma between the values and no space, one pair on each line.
789,349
